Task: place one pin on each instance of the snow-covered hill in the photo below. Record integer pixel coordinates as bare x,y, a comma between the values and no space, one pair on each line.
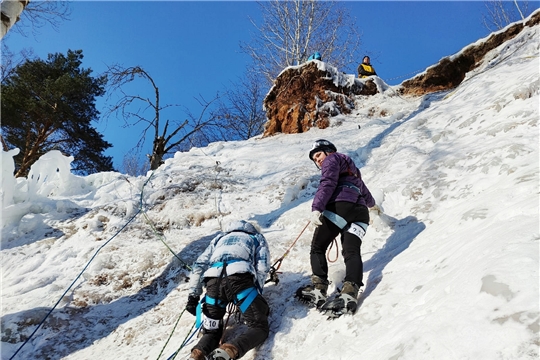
451,267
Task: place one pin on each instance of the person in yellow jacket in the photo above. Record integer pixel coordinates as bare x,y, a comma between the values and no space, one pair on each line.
365,69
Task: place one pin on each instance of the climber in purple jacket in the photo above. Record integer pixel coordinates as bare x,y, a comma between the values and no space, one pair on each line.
341,207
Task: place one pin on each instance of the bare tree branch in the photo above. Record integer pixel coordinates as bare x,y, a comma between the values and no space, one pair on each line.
137,109
292,30
500,13
33,15
240,112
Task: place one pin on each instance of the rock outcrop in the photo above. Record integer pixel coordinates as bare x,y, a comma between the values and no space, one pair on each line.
451,71
307,95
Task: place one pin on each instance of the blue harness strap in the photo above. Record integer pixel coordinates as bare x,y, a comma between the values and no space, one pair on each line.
199,313
247,295
210,301
350,186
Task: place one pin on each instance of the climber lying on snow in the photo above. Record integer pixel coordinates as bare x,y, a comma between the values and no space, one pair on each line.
233,268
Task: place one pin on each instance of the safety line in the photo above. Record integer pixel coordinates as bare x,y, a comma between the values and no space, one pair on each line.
160,237
172,332
74,281
184,343
82,271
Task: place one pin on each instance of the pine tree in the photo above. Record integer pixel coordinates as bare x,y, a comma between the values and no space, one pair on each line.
50,105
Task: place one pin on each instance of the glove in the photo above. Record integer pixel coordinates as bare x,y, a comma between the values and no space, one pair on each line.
316,218
376,209
192,303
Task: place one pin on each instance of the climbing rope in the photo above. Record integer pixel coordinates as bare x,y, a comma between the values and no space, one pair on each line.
172,332
334,242
160,237
155,230
81,272
275,267
185,342
402,76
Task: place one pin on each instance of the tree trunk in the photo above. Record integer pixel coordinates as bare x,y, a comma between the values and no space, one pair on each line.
158,152
11,12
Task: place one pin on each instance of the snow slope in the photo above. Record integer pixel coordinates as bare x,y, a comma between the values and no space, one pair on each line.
451,267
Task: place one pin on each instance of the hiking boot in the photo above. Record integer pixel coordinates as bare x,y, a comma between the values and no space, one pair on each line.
314,294
350,288
345,303
197,354
224,352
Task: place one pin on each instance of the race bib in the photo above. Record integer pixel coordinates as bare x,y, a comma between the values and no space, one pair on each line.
357,230
209,324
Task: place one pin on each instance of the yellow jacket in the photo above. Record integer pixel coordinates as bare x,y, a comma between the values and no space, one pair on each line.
365,70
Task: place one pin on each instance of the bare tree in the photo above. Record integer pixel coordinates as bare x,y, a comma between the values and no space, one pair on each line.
133,165
36,14
240,111
293,30
10,60
135,109
501,13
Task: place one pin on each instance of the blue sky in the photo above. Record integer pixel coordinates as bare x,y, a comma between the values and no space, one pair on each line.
192,49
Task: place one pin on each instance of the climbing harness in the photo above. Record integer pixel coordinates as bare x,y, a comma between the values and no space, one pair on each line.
242,299
275,267
356,228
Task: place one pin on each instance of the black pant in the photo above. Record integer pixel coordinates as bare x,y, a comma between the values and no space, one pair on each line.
325,233
255,316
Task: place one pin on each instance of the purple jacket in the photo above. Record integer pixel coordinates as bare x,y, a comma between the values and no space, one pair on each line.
338,183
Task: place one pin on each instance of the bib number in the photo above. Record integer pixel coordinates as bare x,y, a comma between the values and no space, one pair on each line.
357,230
209,324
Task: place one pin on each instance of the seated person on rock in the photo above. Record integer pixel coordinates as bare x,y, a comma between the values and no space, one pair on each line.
365,69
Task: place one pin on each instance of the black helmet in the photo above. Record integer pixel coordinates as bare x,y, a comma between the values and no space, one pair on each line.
321,145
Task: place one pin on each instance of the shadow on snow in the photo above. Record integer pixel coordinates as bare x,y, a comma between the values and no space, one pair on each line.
70,329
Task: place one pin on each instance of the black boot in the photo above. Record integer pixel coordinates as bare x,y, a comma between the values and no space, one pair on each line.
314,294
345,303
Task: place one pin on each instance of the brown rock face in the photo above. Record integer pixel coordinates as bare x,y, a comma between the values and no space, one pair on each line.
449,73
307,95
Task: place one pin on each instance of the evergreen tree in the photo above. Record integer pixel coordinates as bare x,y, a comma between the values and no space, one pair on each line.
50,105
